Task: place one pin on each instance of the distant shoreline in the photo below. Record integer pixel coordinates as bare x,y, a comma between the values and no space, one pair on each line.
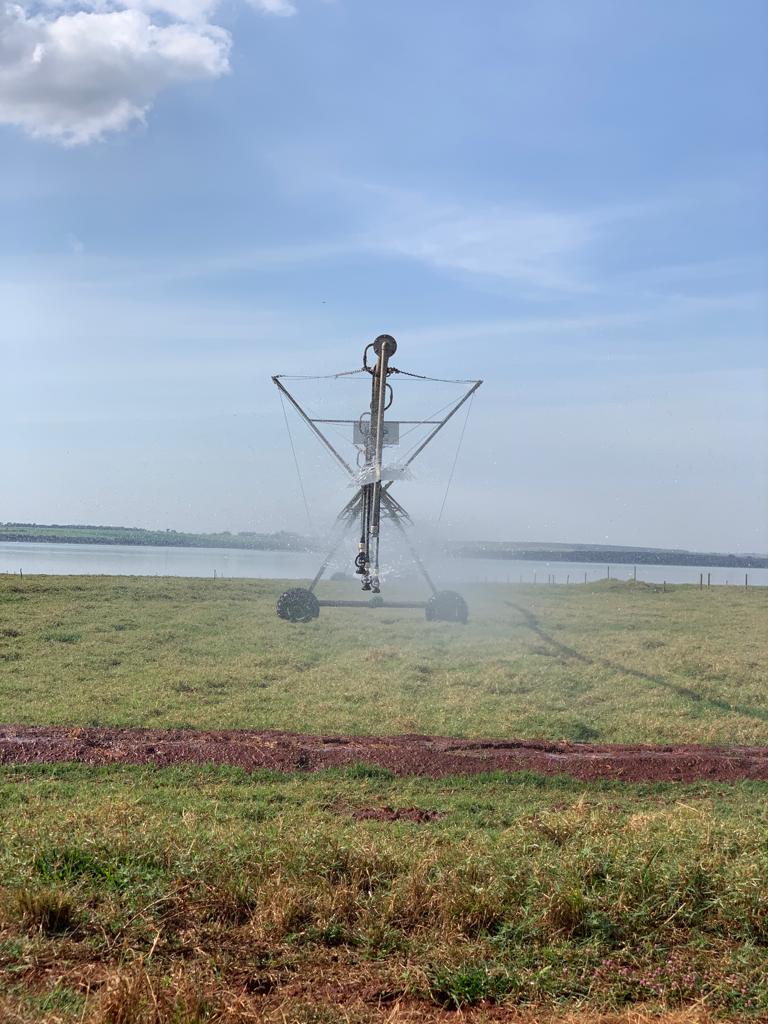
284,541
31,533
615,556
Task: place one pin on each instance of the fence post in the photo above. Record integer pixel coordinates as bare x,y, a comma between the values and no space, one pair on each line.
746,581
585,577
609,571
709,576
634,574
701,581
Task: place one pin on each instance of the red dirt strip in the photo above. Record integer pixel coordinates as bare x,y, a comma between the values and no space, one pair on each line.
436,756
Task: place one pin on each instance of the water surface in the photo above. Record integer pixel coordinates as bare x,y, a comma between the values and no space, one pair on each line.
137,560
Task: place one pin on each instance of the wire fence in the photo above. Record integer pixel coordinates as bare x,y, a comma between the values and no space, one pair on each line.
705,580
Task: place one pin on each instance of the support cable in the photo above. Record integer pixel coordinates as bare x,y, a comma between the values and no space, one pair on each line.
322,376
435,380
455,458
296,463
363,369
430,420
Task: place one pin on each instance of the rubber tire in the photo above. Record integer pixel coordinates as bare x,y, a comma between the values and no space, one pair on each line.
298,605
447,606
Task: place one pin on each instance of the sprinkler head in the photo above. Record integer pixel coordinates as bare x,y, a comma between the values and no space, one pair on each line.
385,340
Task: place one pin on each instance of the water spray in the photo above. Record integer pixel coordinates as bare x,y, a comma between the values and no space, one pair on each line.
373,501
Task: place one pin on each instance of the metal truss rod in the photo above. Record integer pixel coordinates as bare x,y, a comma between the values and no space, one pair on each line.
310,423
352,507
330,603
409,422
442,423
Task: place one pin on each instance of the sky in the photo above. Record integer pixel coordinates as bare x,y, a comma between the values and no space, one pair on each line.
565,199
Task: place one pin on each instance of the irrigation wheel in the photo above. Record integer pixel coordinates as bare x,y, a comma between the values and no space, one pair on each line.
447,606
298,605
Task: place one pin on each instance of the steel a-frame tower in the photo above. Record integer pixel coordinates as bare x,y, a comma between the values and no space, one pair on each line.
373,500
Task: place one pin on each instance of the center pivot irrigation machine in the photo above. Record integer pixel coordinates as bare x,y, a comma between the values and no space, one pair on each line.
373,501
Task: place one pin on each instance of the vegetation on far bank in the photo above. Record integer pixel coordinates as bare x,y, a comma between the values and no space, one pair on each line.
73,534
285,541
608,555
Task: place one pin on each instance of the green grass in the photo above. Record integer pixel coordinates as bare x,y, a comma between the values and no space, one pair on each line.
531,891
609,661
179,896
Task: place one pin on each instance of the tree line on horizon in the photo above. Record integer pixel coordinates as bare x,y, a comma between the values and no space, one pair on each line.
282,540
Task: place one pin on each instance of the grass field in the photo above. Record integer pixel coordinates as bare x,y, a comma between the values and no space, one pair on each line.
224,896
613,662
173,896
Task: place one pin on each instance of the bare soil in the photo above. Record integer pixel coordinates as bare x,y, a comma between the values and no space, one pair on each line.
436,756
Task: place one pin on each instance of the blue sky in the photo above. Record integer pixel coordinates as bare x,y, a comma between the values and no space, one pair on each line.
566,199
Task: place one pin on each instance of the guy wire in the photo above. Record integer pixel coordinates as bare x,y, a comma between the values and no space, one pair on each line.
296,463
456,458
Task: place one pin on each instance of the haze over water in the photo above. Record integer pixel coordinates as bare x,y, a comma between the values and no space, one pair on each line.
136,560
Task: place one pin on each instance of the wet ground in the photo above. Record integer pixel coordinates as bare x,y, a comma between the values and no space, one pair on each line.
404,755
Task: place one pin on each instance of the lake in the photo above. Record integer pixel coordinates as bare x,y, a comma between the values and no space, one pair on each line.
136,560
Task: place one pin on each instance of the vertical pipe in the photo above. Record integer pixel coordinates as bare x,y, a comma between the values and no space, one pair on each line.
377,429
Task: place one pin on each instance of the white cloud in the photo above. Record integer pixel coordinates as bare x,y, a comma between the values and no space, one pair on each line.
523,245
540,248
78,69
282,7
536,247
74,77
179,10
